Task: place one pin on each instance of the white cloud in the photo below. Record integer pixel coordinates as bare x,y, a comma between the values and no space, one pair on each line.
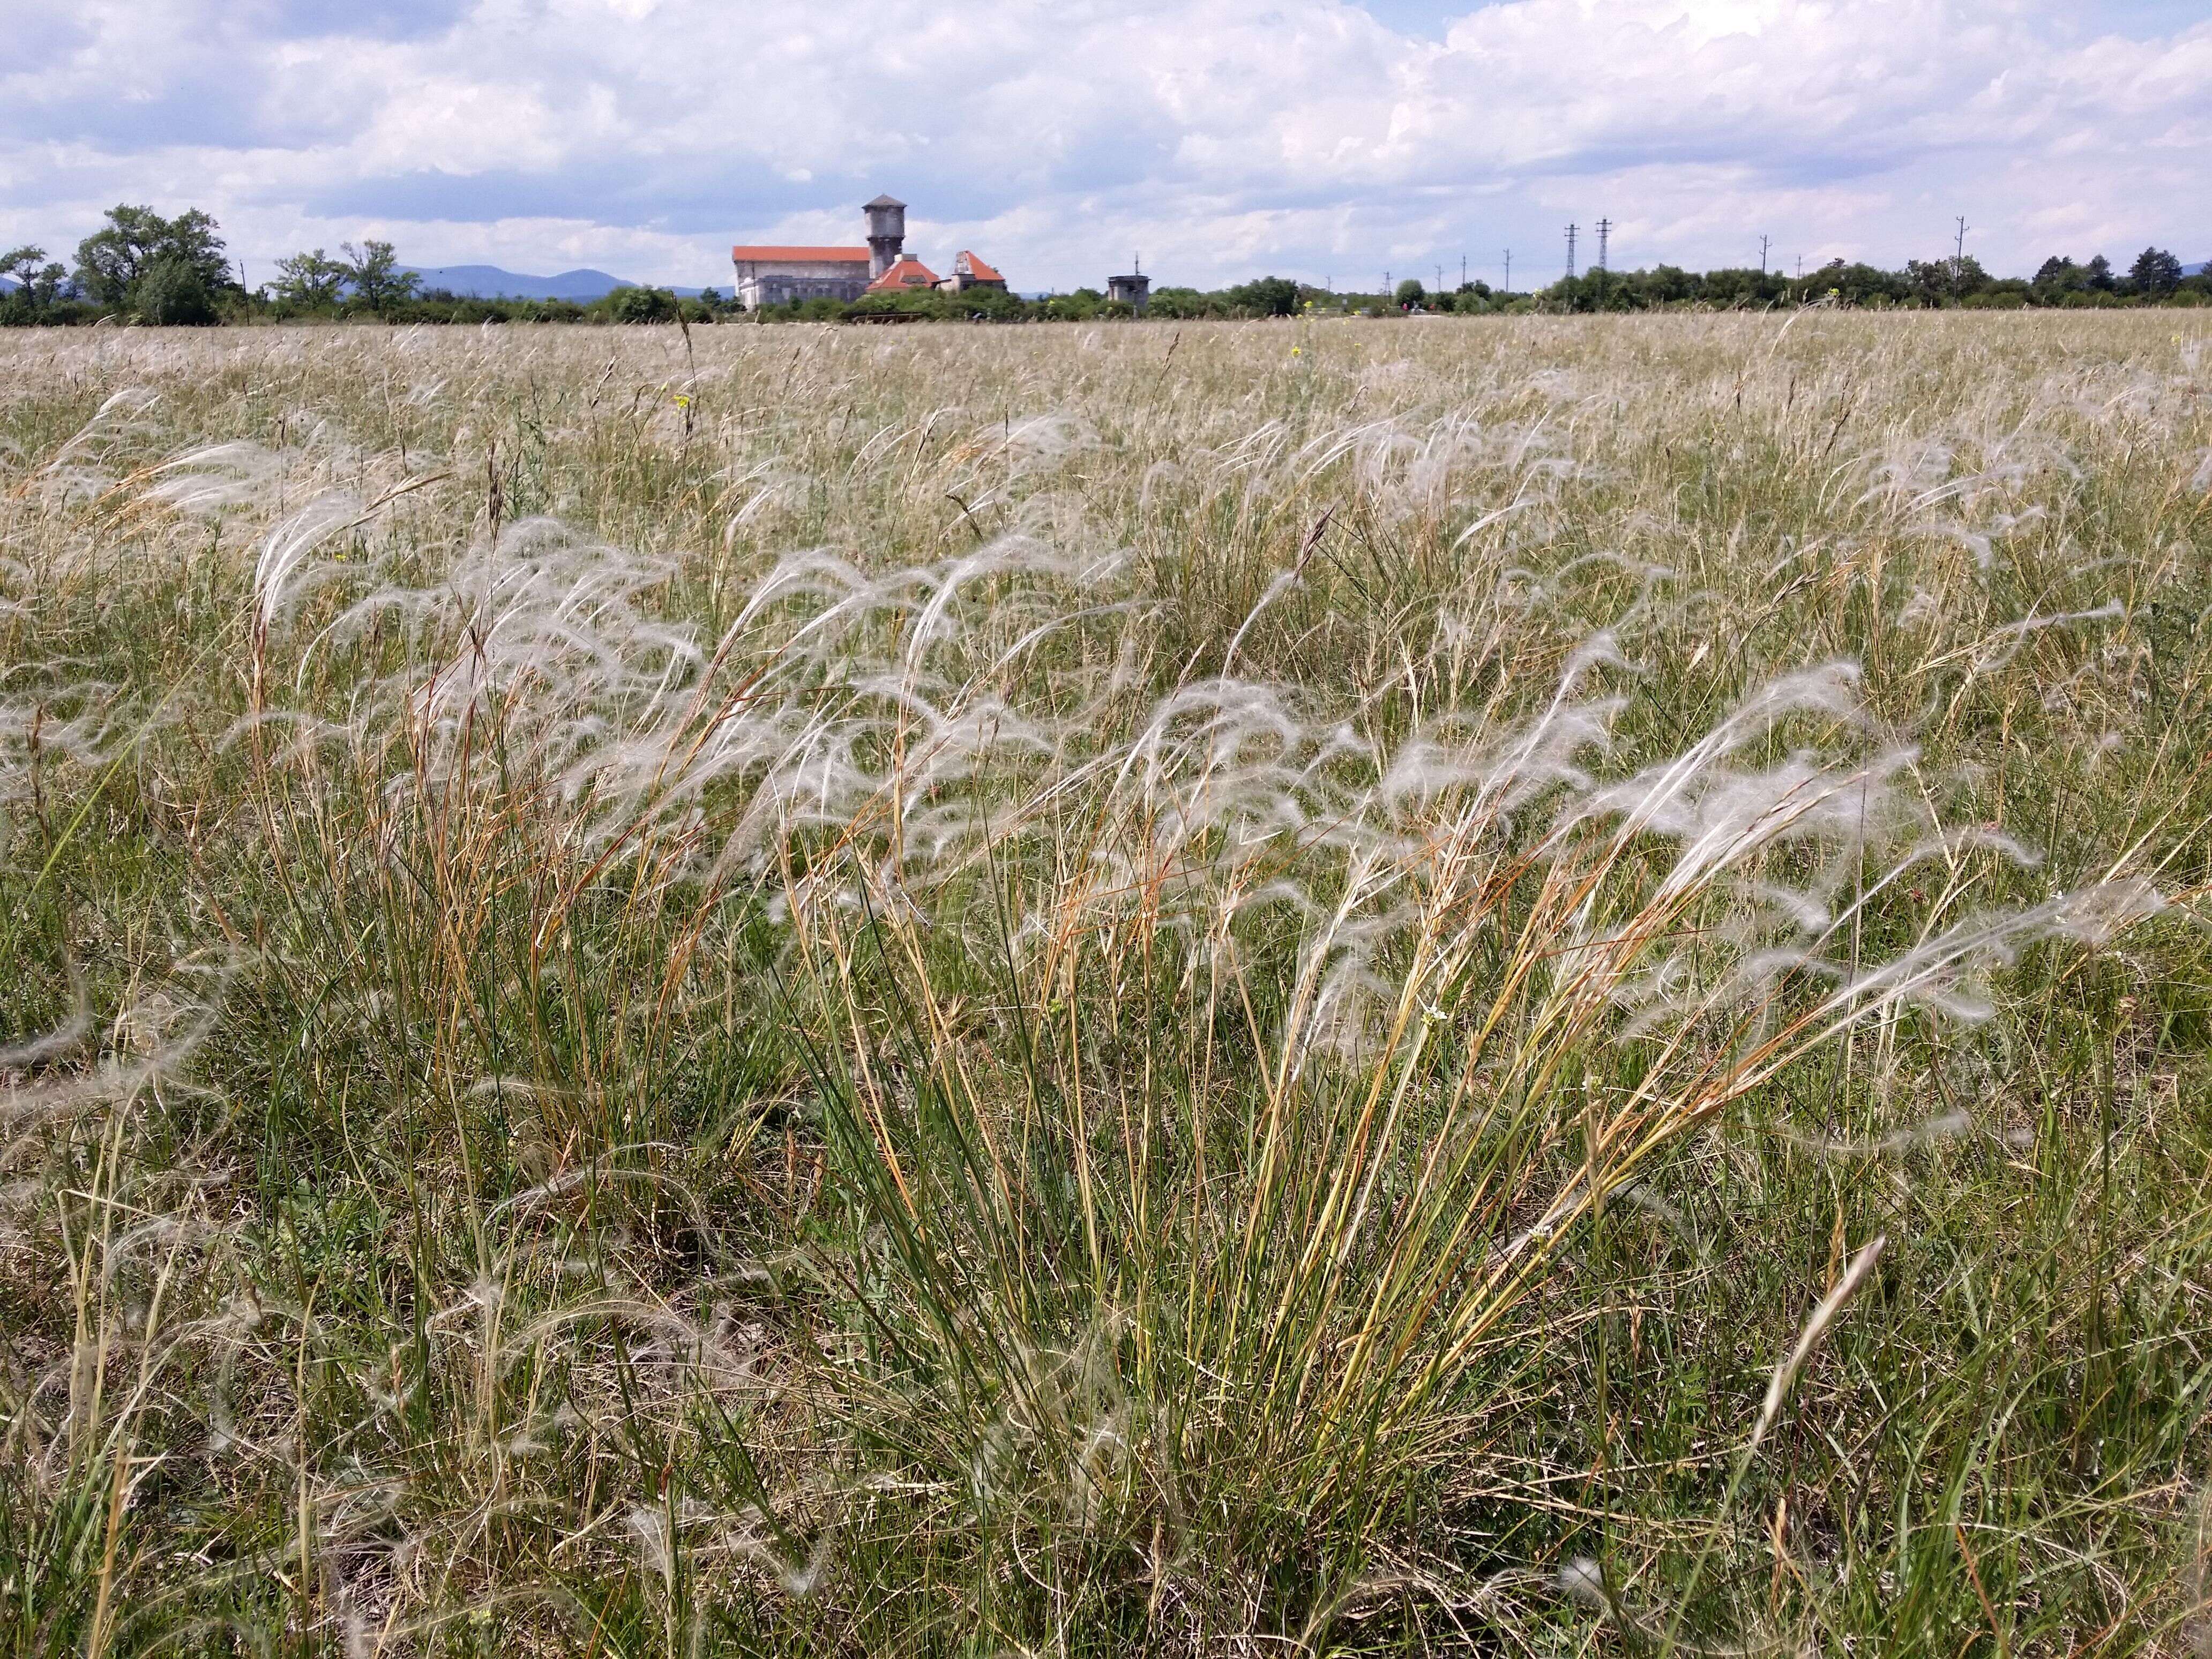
1222,139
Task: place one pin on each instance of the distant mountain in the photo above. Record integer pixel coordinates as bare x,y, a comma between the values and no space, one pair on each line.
2198,269
490,282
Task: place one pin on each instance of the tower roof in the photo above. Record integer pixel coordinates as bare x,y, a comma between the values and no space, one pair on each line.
885,201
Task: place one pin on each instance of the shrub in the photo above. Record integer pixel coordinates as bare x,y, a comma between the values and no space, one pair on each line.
1269,296
642,305
172,295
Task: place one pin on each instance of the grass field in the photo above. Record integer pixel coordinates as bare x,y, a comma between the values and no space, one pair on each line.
1518,986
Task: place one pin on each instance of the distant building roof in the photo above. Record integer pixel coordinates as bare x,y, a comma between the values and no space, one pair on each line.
974,267
885,201
907,273
797,256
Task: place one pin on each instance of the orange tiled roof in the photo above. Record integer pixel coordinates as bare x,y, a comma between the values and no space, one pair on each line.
978,271
906,274
797,256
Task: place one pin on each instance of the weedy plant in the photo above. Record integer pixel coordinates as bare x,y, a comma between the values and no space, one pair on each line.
992,992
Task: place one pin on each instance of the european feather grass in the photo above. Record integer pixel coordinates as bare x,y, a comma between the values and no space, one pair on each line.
1186,998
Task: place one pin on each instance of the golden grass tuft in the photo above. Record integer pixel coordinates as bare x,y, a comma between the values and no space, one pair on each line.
1481,984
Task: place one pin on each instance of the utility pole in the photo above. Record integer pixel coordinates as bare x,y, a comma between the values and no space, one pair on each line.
1571,230
1958,253
1604,235
1462,270
1762,242
1440,279
1509,270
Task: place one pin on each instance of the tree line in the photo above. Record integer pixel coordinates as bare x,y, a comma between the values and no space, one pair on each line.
177,272
2155,278
141,267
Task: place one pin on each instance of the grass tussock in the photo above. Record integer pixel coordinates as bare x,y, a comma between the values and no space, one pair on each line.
1227,989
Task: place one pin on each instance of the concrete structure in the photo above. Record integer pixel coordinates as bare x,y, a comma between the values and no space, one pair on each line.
777,276
969,271
886,234
1135,290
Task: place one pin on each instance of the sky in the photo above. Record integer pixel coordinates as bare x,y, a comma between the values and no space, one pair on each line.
1216,140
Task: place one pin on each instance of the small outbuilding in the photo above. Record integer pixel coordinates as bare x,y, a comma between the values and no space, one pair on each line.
1135,290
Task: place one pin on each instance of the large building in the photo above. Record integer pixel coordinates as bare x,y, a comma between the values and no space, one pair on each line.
775,276
778,276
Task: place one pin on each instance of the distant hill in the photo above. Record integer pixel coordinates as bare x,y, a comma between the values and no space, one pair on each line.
490,282
2198,269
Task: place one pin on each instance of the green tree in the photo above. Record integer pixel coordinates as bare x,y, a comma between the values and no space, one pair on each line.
373,272
311,280
2156,273
38,280
192,239
1175,302
2099,271
642,305
171,293
1080,306
1269,296
1740,285
1932,281
1410,292
111,261
1862,283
